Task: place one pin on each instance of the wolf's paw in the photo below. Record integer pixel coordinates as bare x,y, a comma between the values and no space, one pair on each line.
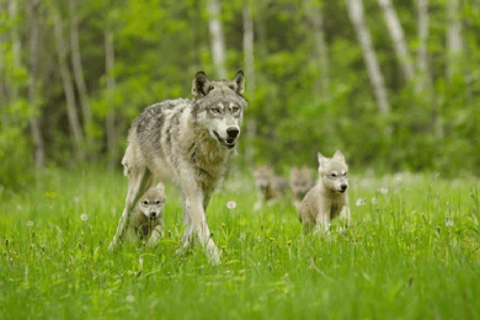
213,254
114,246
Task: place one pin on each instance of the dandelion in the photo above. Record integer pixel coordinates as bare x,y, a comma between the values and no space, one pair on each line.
231,205
84,217
449,223
374,200
30,223
130,298
383,190
360,202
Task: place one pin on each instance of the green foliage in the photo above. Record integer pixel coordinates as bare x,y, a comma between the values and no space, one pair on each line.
411,252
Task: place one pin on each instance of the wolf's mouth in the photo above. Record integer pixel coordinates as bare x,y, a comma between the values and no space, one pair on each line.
228,143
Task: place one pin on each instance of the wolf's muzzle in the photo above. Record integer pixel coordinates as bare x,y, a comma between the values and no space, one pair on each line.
229,142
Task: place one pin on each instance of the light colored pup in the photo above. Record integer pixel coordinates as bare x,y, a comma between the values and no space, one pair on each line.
188,142
300,182
270,188
328,198
148,216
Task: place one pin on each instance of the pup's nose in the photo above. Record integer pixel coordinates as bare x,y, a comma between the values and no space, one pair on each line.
233,132
153,214
344,187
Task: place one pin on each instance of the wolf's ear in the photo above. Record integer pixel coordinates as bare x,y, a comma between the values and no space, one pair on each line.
339,156
237,84
321,160
200,85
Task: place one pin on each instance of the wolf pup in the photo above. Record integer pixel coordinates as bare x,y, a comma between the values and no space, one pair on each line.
300,182
328,198
148,215
188,142
270,188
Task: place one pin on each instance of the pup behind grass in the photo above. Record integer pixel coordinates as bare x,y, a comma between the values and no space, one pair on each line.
300,182
148,215
328,198
270,188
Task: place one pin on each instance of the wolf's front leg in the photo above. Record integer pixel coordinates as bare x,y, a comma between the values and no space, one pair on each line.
157,234
322,223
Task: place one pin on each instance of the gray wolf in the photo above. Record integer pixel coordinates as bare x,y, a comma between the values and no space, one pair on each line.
270,188
300,182
148,215
188,142
328,198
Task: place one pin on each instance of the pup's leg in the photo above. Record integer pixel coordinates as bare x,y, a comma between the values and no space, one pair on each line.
138,182
322,223
157,234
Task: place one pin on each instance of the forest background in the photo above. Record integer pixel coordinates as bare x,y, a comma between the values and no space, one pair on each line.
393,84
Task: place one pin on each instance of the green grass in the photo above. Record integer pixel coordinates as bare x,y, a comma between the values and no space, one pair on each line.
412,251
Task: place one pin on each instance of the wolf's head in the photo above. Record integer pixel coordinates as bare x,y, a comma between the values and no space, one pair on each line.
151,203
218,107
263,176
333,172
300,181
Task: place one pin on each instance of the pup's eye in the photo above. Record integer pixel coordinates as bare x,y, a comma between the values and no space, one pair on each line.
215,110
333,174
145,202
345,174
157,202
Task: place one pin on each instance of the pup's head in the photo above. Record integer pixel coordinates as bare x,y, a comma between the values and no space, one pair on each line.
333,172
151,203
300,181
218,107
263,176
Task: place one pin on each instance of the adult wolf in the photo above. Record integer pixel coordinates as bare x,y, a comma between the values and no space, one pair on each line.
188,142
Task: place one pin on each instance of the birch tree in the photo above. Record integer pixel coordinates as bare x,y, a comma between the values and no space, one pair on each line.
217,40
78,71
355,11
454,39
314,14
33,17
423,81
16,47
396,33
61,48
110,119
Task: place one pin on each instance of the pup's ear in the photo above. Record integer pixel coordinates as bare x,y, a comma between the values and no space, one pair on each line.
200,85
321,160
305,168
339,156
237,84
160,187
293,169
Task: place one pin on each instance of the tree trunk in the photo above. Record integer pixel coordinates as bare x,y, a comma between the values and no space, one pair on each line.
355,11
32,13
396,33
248,51
68,88
110,120
78,73
16,47
423,82
454,39
314,14
217,40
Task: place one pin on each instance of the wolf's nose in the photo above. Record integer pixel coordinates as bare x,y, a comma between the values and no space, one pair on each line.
233,132
344,187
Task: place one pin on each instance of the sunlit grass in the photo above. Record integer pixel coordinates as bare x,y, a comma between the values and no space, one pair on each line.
412,251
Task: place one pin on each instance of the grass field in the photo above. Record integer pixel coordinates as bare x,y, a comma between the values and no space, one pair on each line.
412,252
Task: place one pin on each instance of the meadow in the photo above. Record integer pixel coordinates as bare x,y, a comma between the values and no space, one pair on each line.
411,252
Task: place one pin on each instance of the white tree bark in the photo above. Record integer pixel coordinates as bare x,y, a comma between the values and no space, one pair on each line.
110,120
16,46
217,39
248,52
355,11
423,82
454,39
78,71
68,86
396,33
32,14
314,13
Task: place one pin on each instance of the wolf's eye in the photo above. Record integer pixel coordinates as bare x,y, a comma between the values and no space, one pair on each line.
157,202
215,110
235,109
333,174
145,202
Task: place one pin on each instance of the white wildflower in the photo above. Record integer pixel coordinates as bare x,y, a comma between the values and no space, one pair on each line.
374,200
30,223
231,205
449,223
383,190
360,202
84,217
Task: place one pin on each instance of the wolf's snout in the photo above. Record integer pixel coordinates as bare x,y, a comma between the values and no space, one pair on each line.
233,132
343,187
153,214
